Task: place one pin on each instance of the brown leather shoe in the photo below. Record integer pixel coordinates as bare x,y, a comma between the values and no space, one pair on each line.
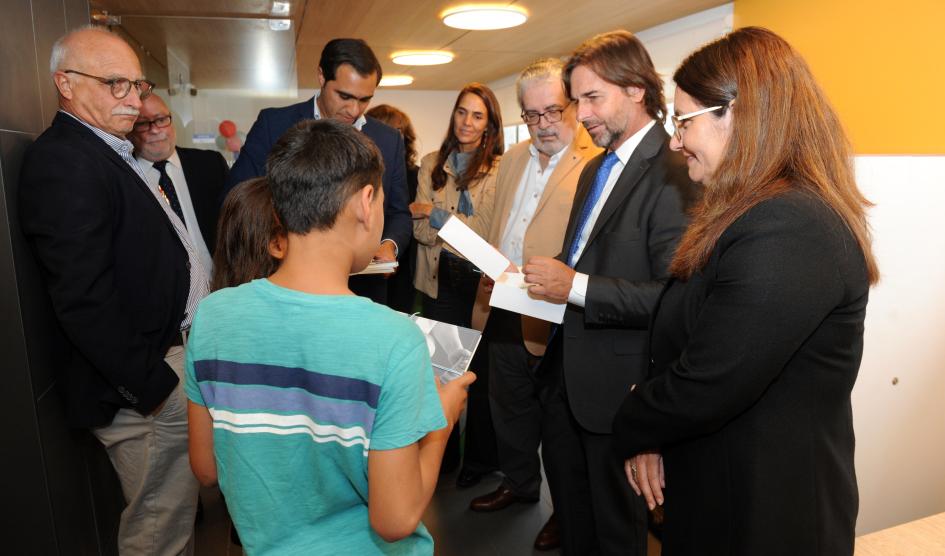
548,538
502,498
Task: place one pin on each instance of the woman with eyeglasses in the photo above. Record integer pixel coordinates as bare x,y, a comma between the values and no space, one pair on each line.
744,429
458,181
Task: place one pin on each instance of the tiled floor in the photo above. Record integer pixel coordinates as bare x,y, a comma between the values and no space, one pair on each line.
457,531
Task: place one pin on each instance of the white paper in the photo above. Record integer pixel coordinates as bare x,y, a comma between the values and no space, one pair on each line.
378,267
511,293
476,250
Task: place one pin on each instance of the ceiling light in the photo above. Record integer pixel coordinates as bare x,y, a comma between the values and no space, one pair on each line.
421,57
279,8
395,80
483,17
280,24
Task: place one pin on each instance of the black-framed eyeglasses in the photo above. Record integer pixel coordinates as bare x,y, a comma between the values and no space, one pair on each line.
121,86
552,116
680,121
142,126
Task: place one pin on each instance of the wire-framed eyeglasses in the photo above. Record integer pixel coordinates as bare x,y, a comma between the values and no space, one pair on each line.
120,86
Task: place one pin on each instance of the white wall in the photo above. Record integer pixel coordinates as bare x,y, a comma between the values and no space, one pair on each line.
667,44
900,428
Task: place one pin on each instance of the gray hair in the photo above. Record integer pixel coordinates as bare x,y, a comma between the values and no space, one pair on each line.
543,69
60,49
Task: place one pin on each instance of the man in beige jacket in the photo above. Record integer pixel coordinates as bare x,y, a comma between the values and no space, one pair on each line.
535,187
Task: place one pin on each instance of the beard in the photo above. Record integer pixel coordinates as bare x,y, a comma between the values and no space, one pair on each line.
607,134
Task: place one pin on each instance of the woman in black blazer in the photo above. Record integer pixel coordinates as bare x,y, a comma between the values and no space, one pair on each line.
757,339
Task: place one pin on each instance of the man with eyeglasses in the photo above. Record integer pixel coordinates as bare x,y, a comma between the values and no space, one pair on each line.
192,179
123,278
627,218
535,187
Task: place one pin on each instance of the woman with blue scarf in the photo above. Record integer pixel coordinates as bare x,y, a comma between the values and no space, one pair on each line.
458,180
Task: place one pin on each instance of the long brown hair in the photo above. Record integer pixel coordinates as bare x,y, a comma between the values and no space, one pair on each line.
247,226
785,136
490,147
395,118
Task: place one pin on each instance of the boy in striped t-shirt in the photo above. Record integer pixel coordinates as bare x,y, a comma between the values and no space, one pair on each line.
316,410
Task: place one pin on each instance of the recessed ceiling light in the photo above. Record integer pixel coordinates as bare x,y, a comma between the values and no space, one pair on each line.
483,17
395,80
279,8
421,57
280,24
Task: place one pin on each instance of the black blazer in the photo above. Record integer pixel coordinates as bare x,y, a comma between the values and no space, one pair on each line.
626,256
206,173
273,122
114,267
749,398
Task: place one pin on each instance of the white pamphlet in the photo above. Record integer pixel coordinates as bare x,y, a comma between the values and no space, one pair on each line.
511,293
475,249
379,267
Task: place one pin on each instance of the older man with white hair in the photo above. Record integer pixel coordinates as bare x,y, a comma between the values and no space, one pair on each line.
535,188
124,279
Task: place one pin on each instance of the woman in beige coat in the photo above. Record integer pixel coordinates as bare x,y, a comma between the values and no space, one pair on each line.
458,180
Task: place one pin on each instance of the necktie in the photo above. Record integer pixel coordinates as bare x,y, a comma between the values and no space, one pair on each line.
592,197
167,187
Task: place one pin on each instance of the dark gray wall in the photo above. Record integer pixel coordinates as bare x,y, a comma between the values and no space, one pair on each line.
60,494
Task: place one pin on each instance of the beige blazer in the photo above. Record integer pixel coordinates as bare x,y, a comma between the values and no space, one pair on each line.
545,233
429,245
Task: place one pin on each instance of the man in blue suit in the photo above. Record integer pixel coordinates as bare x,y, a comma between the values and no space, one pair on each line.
348,74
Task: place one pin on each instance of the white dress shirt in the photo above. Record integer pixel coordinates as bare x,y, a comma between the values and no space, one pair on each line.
578,291
176,172
527,196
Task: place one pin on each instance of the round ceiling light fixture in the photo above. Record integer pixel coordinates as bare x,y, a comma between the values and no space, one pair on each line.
395,80
484,17
421,57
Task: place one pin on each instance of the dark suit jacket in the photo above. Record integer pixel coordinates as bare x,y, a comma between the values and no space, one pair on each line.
206,173
626,257
116,272
754,359
273,122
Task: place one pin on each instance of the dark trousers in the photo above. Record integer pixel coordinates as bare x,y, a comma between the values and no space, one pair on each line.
457,280
513,399
373,286
597,511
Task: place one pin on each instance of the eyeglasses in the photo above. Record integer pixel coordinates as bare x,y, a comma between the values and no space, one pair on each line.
145,125
551,116
679,121
121,86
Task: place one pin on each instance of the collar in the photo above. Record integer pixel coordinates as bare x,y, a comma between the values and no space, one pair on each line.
626,149
113,141
173,160
358,124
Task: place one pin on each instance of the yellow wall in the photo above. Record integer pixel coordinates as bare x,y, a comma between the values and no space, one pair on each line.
881,63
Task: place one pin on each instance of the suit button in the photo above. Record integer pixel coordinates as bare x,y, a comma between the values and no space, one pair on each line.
188,265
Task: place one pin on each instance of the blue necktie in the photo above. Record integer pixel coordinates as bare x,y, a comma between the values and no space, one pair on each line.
592,197
167,187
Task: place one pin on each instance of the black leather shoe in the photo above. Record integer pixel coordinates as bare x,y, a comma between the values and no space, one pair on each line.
502,498
469,478
549,538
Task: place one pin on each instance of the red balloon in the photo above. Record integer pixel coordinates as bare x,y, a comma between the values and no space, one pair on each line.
233,144
227,128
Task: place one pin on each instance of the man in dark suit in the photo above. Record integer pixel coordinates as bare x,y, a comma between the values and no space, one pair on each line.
348,74
124,281
194,177
627,218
